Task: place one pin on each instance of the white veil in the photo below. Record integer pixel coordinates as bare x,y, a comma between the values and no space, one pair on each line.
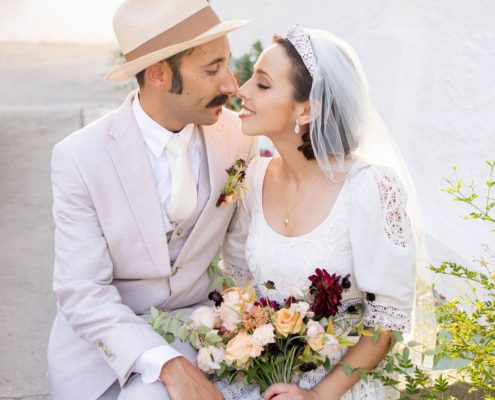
340,101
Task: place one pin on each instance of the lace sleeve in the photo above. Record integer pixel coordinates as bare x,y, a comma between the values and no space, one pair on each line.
387,316
384,252
393,198
240,274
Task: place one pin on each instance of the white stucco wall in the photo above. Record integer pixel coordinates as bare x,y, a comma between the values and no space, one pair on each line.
431,66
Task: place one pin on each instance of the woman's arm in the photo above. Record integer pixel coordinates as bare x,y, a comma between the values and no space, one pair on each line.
365,354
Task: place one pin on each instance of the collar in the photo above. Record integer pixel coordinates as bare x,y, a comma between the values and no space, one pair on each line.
156,136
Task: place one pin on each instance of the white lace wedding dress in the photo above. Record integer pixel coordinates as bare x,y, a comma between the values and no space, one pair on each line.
366,235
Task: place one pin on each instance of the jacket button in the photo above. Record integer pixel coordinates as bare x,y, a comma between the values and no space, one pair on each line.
179,232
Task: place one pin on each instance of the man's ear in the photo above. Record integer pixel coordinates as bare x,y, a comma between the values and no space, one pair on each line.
159,75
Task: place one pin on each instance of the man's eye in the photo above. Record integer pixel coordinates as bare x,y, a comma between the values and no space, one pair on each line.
263,87
213,71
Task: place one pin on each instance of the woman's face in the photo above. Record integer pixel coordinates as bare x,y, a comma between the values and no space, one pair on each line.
268,107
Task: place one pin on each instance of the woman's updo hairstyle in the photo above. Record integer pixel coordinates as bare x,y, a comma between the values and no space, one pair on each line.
301,81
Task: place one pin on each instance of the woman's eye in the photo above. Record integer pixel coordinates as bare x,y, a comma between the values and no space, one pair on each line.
263,87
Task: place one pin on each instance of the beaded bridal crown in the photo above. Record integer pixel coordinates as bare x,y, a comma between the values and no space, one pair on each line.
299,38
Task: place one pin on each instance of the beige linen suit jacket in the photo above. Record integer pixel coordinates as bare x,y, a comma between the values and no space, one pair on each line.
111,256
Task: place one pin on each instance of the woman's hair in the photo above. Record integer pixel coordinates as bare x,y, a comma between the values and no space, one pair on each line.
301,82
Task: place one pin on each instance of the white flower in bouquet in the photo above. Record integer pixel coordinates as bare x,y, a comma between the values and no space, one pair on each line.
206,316
209,358
301,308
241,348
331,347
315,335
264,334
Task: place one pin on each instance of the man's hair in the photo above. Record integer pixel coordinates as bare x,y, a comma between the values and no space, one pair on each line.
174,63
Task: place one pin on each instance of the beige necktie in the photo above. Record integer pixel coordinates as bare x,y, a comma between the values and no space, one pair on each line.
184,196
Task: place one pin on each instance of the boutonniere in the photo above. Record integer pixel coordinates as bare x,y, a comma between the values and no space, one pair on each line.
235,186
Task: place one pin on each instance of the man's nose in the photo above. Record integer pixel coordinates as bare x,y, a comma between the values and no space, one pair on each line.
229,84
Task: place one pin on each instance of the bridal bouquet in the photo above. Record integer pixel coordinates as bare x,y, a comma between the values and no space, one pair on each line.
248,334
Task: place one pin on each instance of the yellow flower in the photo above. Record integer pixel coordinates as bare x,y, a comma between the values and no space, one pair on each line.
287,323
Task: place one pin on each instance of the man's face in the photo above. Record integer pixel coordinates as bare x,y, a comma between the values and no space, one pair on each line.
207,83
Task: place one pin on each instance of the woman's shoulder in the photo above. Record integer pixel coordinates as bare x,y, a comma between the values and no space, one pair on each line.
256,169
374,180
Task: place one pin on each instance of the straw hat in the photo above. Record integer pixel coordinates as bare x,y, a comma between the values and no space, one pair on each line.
149,31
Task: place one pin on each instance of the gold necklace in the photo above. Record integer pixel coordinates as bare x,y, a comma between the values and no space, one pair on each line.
288,213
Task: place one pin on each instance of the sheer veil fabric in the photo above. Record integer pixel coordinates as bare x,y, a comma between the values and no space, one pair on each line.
345,126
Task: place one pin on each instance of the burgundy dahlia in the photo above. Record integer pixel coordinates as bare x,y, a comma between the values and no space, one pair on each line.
327,291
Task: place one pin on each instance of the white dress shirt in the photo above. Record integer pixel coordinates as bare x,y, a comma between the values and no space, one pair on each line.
156,137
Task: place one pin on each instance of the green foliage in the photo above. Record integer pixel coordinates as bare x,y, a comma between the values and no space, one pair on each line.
467,322
470,329
242,68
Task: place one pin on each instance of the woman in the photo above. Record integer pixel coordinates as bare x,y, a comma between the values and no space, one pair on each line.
319,204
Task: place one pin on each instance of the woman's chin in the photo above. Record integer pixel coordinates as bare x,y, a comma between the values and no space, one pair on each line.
249,129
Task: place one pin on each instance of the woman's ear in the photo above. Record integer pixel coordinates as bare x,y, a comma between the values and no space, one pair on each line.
304,113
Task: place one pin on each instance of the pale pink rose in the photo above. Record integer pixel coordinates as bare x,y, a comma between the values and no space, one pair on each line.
209,358
315,335
230,316
331,347
206,316
231,298
264,334
301,308
314,329
241,348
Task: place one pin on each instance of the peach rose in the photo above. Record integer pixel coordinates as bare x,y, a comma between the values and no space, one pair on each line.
287,323
241,348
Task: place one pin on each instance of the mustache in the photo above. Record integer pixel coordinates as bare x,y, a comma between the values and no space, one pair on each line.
217,101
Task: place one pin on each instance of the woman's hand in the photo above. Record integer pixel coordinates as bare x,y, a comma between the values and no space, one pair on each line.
286,391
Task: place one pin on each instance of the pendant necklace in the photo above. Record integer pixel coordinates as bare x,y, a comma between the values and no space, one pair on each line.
301,196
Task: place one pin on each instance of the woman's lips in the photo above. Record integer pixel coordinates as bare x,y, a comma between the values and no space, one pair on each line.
246,112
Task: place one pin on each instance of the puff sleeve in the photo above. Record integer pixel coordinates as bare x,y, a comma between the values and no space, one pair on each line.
383,248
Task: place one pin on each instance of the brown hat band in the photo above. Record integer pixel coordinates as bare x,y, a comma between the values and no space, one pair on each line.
188,29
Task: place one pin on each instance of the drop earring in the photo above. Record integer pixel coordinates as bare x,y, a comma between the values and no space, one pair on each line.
297,128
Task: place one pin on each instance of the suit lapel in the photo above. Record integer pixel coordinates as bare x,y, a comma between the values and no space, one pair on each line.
128,152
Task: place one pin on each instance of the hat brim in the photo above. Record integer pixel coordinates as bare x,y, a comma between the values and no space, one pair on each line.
130,69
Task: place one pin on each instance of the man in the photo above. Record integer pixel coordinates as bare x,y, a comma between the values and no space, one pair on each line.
135,210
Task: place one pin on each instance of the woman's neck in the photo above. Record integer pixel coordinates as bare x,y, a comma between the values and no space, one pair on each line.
294,166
